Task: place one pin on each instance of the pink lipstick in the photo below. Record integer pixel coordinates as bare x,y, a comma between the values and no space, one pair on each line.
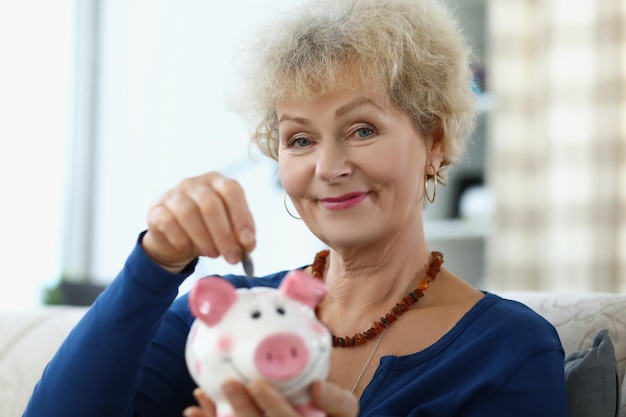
343,202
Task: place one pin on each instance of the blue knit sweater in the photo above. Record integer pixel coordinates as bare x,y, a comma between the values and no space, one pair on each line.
126,358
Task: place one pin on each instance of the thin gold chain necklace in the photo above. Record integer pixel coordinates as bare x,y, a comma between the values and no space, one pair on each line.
367,362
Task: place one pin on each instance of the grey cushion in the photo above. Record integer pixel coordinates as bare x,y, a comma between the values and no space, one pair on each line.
592,379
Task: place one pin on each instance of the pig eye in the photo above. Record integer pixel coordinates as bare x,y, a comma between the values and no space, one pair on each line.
280,311
255,314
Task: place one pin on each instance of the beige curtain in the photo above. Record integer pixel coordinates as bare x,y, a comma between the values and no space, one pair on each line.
557,145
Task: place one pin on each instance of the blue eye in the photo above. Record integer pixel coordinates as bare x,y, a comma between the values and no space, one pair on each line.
364,132
300,142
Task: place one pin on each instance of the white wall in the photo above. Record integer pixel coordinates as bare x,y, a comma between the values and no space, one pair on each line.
166,72
35,102
166,75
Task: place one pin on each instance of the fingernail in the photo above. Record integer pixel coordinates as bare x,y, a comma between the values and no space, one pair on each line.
324,391
228,389
255,388
246,237
232,256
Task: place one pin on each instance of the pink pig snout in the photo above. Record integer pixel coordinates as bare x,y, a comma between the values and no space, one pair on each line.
281,356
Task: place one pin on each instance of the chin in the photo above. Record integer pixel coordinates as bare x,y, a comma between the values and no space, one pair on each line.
350,236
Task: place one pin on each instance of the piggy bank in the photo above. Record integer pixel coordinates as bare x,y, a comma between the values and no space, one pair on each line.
258,333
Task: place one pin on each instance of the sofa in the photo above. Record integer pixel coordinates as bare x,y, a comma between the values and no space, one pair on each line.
29,339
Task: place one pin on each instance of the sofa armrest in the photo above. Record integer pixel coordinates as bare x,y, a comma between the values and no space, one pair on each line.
29,340
577,318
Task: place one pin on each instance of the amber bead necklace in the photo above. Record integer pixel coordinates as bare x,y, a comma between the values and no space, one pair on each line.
379,327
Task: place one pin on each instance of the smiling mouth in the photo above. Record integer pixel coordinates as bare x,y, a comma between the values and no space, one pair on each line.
343,202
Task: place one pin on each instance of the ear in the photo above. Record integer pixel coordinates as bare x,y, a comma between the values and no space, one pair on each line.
303,287
435,153
210,298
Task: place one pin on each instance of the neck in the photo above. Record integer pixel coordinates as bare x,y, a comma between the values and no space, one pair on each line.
363,283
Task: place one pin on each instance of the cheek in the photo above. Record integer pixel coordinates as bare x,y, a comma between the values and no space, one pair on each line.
409,158
396,167
293,175
399,170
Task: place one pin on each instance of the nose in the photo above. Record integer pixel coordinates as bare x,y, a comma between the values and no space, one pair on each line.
332,163
281,356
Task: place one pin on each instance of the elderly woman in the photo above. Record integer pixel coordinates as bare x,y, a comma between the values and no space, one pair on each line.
363,103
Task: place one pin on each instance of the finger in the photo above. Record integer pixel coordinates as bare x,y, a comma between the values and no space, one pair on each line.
271,400
213,213
241,400
238,210
189,219
194,411
205,403
334,400
162,222
165,241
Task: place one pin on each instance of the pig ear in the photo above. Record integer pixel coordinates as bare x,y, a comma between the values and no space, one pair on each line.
210,298
303,287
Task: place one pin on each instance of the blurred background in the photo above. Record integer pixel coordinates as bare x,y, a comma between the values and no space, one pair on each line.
106,104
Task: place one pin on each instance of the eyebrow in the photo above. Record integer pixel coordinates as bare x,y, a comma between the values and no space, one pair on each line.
357,102
299,120
346,108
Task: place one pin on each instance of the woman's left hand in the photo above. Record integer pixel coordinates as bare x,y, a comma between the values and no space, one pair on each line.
205,407
261,399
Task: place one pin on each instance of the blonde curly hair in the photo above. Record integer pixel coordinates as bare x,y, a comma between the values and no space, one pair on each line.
412,48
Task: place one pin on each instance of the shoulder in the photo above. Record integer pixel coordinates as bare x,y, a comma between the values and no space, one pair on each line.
515,312
511,324
503,338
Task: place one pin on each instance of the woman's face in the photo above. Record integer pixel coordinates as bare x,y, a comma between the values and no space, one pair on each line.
353,164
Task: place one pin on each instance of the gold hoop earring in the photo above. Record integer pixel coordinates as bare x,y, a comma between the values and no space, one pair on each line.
431,199
287,208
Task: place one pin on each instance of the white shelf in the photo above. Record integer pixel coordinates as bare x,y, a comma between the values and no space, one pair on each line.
457,229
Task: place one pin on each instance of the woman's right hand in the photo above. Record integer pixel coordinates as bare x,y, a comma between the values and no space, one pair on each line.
259,399
205,215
